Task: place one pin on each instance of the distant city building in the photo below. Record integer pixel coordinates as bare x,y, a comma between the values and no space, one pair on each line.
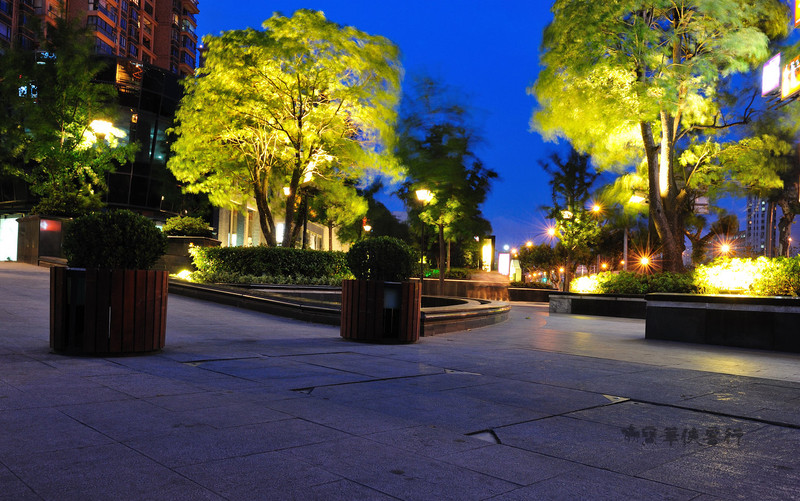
157,32
761,230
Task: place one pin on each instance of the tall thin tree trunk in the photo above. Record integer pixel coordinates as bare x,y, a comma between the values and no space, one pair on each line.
441,259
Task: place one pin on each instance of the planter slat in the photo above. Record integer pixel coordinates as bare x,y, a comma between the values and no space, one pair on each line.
149,310
90,311
107,311
364,317
103,313
139,310
117,305
129,311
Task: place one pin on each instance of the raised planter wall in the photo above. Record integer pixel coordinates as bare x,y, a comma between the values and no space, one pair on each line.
529,295
605,305
770,323
107,311
177,257
438,315
473,289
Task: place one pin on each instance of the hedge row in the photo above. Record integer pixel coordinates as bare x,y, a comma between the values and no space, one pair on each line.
274,261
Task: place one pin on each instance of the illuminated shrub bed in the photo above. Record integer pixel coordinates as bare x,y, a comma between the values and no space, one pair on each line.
745,276
261,264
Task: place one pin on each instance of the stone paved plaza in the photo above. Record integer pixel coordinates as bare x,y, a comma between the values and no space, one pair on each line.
242,405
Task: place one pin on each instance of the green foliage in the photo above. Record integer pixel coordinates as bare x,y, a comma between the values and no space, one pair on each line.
625,282
302,104
780,278
383,259
537,257
627,82
48,141
187,226
760,276
532,285
117,239
438,148
451,274
238,278
215,262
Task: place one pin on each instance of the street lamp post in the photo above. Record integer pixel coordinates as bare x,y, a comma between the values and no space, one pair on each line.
424,196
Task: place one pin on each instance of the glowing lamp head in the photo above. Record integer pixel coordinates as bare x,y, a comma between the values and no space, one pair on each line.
424,195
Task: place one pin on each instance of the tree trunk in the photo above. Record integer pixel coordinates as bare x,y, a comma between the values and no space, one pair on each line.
664,203
265,217
785,228
448,254
289,233
330,235
441,258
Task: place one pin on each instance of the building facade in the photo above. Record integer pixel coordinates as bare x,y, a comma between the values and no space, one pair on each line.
761,232
149,45
157,32
242,228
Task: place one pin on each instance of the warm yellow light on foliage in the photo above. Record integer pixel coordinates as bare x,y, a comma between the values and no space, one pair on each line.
730,275
184,275
588,284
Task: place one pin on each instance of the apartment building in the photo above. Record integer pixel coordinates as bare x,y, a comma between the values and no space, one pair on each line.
157,32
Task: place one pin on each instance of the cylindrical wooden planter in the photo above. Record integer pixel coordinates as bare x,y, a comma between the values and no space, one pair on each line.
99,312
382,312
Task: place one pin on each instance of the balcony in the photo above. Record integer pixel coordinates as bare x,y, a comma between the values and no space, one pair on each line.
190,6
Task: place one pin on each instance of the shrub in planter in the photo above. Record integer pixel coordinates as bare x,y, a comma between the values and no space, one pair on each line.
187,227
385,259
113,240
373,307
116,305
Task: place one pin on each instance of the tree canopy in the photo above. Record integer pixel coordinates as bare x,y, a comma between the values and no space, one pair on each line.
302,103
437,147
628,81
55,128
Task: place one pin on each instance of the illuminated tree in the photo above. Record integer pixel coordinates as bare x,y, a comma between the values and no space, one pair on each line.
723,229
56,131
303,100
628,80
540,257
436,146
577,228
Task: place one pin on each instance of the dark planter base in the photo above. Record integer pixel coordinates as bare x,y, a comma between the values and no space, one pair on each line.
107,312
746,322
604,305
380,312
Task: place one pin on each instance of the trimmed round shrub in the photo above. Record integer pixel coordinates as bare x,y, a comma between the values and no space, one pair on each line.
186,226
384,259
111,240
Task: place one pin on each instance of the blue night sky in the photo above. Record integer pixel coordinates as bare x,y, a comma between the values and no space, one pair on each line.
491,55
